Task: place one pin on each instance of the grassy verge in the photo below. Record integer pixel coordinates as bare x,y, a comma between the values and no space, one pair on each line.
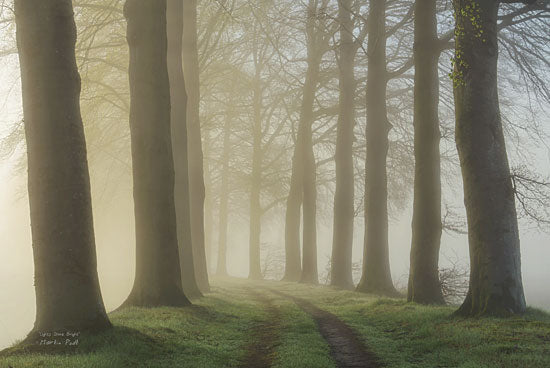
214,332
410,335
217,329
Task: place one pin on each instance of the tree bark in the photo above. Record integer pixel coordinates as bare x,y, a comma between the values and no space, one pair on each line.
495,263
158,274
344,211
196,175
221,269
178,98
68,296
424,286
376,276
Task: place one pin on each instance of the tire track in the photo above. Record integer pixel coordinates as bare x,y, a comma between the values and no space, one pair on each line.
346,348
265,335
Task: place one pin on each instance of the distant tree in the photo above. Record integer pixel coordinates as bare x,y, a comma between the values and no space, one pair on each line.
376,265
178,119
424,286
158,274
196,170
221,269
68,296
317,45
344,205
496,286
258,54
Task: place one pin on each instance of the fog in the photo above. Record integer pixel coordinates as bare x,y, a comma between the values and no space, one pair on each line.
114,210
115,240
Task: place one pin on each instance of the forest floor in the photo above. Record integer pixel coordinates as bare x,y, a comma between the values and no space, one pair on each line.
275,324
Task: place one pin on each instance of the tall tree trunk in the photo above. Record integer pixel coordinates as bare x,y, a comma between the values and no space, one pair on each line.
68,296
221,269
376,276
293,263
158,274
309,259
256,182
196,178
178,98
424,286
344,211
309,182
495,264
208,206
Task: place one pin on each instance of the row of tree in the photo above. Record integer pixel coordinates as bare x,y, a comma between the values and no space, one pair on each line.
290,99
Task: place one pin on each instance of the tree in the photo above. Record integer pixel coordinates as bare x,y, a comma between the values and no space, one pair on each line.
317,45
158,274
256,175
495,264
424,286
68,295
196,171
178,119
224,198
344,206
376,276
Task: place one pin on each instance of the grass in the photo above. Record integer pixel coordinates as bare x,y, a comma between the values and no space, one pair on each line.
410,335
217,329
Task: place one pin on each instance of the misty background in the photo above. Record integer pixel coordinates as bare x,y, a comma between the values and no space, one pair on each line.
114,222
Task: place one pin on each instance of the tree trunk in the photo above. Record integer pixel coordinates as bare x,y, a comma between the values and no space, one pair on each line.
424,286
196,179
495,264
293,263
309,260
208,210
344,211
309,182
376,276
178,98
158,274
256,182
68,296
224,199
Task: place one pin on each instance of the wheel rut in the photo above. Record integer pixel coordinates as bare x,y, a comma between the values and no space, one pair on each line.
346,347
264,337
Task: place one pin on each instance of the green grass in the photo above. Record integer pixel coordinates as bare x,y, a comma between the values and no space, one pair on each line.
217,329
410,335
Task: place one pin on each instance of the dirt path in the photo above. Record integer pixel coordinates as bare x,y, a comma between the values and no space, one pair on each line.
264,336
346,347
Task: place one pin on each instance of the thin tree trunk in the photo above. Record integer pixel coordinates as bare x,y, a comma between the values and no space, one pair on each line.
309,260
196,178
496,286
309,183
376,276
158,274
68,295
424,286
293,263
224,200
208,206
256,182
178,98
344,211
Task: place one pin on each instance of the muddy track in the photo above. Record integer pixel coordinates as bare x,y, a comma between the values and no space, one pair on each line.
264,336
346,347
